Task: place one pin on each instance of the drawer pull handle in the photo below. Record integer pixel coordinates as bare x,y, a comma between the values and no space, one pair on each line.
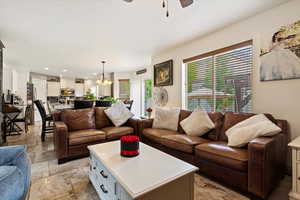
103,175
103,189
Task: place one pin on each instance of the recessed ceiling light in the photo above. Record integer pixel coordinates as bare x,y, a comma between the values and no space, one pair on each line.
65,70
94,74
46,68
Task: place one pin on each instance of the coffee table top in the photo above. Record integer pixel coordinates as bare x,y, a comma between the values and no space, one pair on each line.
141,174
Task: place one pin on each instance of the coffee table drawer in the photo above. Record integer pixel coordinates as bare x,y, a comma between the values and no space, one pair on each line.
106,183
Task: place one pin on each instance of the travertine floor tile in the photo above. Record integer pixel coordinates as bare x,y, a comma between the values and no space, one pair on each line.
52,187
39,170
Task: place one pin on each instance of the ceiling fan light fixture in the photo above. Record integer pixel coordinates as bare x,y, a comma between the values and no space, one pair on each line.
186,3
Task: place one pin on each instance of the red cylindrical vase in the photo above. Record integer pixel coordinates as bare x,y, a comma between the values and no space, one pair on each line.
130,146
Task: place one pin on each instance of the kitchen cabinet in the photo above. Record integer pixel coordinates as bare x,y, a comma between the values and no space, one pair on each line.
53,89
67,83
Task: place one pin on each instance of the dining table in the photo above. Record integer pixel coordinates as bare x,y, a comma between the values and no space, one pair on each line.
60,107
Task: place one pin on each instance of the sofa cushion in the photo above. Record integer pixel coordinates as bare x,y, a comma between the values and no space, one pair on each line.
216,117
166,118
256,126
156,134
116,132
79,119
220,153
12,184
101,119
86,136
182,142
198,123
118,113
231,119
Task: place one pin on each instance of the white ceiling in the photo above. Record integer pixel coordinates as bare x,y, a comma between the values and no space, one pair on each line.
77,34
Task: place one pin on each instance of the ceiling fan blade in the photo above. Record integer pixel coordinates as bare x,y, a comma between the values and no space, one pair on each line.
186,3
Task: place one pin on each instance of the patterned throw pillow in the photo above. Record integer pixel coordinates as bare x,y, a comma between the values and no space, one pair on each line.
118,113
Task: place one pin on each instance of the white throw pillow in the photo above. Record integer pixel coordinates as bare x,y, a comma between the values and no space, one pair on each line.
242,133
118,113
197,124
166,118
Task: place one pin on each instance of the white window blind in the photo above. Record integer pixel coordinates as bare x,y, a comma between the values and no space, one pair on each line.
200,84
220,80
124,89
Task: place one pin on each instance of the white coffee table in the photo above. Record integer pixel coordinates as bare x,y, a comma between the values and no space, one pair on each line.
153,175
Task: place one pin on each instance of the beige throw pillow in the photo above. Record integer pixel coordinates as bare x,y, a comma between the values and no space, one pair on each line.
166,118
197,124
242,133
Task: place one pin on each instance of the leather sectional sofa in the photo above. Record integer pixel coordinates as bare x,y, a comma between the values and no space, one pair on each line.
255,169
74,130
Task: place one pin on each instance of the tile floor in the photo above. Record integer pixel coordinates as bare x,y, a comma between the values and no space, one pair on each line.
69,181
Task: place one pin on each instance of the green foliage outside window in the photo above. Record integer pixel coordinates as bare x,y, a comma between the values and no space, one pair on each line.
148,89
223,102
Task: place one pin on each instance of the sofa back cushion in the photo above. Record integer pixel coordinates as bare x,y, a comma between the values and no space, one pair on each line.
231,119
79,119
198,123
101,119
216,117
166,118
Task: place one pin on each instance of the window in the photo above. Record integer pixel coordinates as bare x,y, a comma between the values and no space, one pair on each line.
147,95
220,80
124,89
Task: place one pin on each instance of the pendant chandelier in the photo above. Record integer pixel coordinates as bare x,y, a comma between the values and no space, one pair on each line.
102,80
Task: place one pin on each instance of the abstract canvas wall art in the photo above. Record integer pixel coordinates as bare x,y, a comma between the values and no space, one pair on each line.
280,55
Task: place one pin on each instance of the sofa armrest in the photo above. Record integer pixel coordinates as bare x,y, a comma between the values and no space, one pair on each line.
133,123
266,164
56,115
60,139
144,123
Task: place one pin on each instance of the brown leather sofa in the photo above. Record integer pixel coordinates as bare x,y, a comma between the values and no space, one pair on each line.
76,129
255,169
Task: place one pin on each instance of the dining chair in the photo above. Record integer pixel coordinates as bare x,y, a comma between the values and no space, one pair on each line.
45,118
82,104
103,103
128,104
25,119
11,113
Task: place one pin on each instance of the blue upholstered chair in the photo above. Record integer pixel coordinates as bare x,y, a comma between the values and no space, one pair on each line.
15,172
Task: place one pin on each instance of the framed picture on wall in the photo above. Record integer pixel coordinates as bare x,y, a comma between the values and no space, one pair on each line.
163,74
280,54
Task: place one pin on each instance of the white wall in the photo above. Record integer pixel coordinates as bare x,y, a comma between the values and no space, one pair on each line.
7,78
15,80
135,89
280,98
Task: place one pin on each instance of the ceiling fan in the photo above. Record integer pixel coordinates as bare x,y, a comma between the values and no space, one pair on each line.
184,3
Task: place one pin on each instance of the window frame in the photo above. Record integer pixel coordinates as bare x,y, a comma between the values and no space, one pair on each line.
213,54
120,81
